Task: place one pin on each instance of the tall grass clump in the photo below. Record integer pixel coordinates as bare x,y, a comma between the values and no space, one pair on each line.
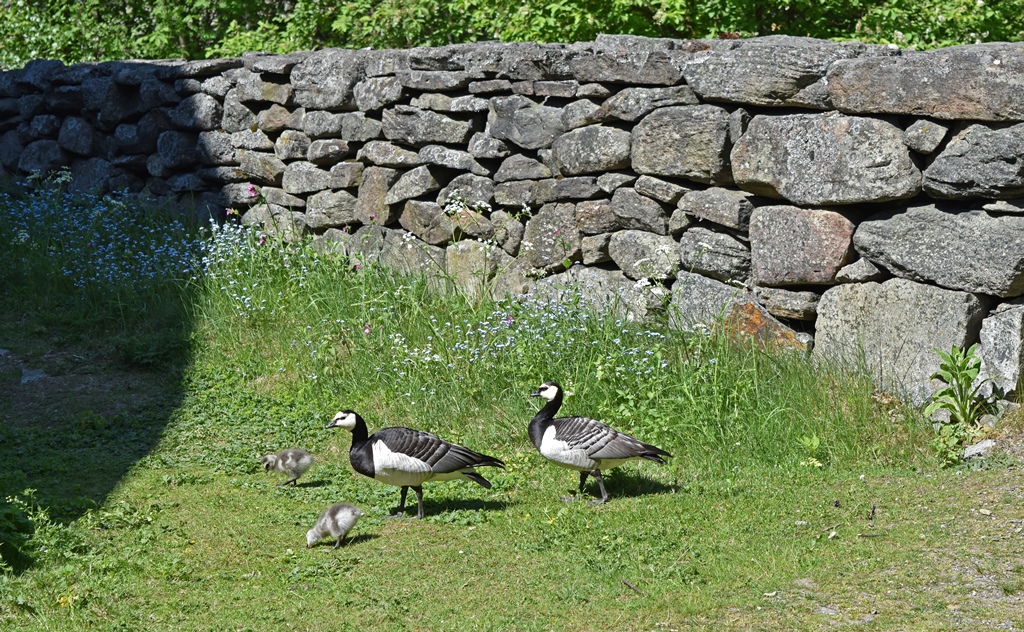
323,333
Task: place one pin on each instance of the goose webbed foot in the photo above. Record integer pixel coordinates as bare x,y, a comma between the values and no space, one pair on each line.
338,543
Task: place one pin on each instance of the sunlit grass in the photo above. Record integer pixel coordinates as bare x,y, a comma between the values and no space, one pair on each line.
772,454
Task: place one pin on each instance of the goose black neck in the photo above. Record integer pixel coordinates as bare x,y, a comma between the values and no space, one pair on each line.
541,419
550,409
359,432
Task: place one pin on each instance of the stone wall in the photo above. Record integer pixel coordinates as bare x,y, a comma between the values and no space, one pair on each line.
861,198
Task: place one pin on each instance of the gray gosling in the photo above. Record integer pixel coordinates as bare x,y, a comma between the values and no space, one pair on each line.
337,520
294,462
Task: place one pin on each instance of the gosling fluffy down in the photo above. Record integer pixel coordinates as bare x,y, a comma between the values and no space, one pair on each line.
337,520
294,462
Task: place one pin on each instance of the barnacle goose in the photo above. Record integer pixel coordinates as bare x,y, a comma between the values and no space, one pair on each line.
408,458
337,520
294,462
581,443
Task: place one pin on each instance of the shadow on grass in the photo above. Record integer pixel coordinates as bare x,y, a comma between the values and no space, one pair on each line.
92,372
626,483
350,541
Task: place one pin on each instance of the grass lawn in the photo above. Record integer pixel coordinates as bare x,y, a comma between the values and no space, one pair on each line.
797,497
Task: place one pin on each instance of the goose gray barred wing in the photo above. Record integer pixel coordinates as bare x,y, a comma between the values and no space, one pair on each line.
440,455
597,439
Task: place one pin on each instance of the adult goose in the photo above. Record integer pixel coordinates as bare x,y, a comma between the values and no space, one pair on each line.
583,444
408,458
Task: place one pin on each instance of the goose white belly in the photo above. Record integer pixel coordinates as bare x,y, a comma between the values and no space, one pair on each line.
561,453
395,468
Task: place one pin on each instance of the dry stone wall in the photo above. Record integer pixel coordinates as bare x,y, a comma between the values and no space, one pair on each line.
863,199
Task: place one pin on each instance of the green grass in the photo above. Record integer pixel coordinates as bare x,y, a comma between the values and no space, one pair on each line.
151,511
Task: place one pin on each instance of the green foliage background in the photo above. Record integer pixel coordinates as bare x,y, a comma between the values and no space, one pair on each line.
93,30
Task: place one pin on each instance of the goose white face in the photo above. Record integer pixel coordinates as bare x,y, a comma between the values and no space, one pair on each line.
345,419
548,391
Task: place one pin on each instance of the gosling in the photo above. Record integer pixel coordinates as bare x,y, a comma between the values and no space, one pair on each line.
337,520
294,462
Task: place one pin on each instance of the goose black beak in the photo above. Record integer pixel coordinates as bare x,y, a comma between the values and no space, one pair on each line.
330,425
535,394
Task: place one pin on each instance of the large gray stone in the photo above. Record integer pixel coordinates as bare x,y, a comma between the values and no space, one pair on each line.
824,159
604,291
235,116
551,241
523,122
717,255
177,149
726,207
508,231
689,142
304,177
520,167
318,124
249,139
1002,350
539,192
482,145
330,209
591,149
357,127
326,79
292,145
76,136
654,188
699,302
476,192
385,154
971,251
452,159
633,103
653,67
404,254
635,211
427,221
346,174
373,189
892,329
278,221
594,217
472,265
412,184
216,148
980,82
777,70
788,303
979,162
377,92
327,151
263,167
198,112
794,246
925,136
643,255
423,127
92,175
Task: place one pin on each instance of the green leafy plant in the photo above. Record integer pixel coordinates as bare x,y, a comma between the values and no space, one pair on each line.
959,370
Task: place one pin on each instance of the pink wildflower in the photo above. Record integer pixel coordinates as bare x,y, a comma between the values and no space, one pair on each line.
366,329
252,190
